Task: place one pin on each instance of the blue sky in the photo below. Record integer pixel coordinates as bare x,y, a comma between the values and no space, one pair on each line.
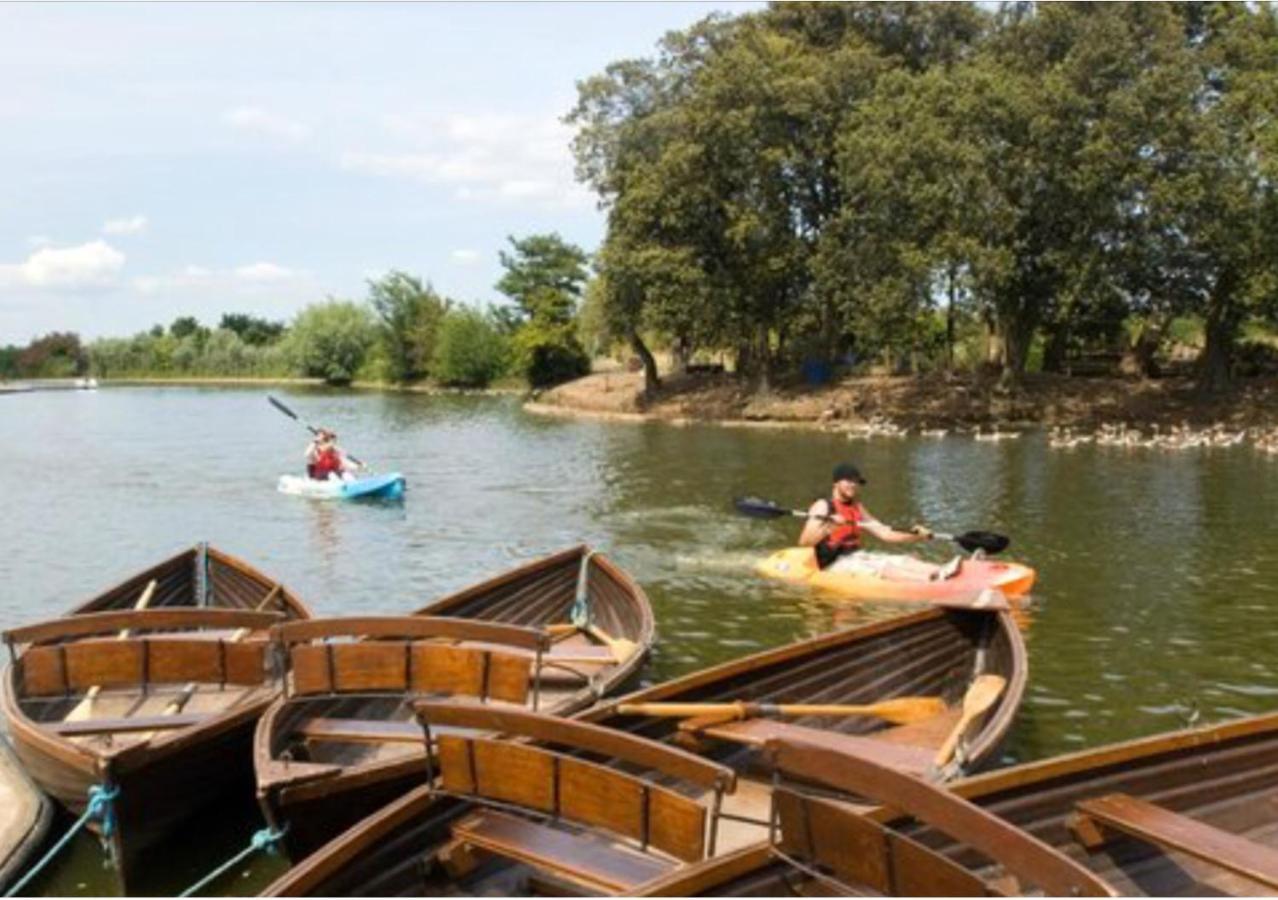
160,160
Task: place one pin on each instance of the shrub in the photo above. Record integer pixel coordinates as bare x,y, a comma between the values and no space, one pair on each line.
548,354
470,351
330,340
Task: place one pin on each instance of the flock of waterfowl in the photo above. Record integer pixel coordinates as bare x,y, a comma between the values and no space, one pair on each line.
1176,437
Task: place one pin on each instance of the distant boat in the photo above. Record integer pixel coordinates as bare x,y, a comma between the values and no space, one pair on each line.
87,384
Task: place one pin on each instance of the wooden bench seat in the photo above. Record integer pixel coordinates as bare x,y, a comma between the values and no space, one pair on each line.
757,732
582,858
360,731
84,727
1152,823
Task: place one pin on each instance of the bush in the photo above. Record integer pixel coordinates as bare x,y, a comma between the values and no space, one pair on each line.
470,351
547,354
330,340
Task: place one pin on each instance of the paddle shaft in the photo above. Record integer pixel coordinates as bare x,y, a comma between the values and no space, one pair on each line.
897,709
309,427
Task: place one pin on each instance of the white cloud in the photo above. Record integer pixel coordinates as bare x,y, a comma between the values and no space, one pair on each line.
95,264
240,279
465,257
131,225
494,158
264,271
255,120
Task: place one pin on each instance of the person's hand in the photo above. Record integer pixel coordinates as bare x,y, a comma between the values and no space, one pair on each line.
921,531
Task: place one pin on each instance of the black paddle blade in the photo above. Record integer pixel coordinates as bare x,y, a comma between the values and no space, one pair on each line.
988,541
281,407
758,508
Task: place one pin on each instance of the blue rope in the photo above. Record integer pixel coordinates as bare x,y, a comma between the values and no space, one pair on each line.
263,839
101,805
579,615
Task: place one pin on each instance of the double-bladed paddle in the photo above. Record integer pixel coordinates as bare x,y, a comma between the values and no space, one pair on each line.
971,541
309,427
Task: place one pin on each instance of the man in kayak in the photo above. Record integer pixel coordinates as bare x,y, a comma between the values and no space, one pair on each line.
834,526
324,459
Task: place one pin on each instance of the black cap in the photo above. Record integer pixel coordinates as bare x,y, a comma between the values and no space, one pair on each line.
848,472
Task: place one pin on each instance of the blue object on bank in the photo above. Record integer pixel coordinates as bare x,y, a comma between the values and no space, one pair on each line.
816,371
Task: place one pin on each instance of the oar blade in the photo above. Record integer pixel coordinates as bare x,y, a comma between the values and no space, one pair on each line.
758,508
988,541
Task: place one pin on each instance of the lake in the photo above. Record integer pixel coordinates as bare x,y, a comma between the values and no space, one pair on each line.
1157,569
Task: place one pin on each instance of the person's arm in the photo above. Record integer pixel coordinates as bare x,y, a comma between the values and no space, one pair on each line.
817,527
890,535
312,452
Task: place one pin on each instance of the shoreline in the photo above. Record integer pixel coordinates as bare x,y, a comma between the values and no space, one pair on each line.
857,404
14,387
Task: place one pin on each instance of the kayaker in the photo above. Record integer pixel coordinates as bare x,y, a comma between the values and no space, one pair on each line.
835,538
324,459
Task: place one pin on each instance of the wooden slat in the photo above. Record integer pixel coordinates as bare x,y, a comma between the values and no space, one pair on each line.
854,849
1173,831
359,731
171,661
310,672
515,773
1023,855
446,669
509,677
43,672
109,663
456,772
580,735
676,824
441,627
370,666
169,619
757,732
576,857
245,662
85,727
594,795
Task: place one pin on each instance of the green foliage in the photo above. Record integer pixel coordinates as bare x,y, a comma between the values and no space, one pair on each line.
818,175
251,329
471,350
547,354
221,354
544,276
54,355
409,314
330,340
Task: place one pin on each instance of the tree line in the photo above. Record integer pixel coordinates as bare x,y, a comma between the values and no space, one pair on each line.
404,331
888,180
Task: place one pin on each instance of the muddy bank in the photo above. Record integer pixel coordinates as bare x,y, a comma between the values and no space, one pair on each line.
916,402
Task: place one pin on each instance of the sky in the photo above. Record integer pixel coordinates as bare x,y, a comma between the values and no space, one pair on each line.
162,160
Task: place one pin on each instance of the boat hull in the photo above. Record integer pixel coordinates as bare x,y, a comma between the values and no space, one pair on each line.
878,579
383,487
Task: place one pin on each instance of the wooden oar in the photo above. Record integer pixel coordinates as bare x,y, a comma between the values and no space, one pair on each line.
84,708
621,648
984,692
899,710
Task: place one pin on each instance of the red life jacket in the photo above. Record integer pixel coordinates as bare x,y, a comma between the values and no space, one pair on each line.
844,538
328,462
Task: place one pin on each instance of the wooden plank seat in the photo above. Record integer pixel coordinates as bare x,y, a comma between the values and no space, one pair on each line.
757,732
1097,820
583,858
359,731
85,727
555,786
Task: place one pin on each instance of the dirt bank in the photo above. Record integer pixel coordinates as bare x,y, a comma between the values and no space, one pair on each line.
917,401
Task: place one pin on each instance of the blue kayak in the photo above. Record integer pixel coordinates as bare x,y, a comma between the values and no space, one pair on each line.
389,487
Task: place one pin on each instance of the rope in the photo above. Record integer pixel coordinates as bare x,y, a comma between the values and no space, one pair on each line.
101,805
263,839
580,613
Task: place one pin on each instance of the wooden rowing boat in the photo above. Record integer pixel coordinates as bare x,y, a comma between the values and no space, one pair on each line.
939,652
1187,813
342,741
149,691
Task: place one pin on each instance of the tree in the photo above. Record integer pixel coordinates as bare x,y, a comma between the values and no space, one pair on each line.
544,277
54,355
409,315
470,351
329,340
251,329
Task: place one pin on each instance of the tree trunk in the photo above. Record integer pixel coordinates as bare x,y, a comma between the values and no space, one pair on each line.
1138,356
651,381
1057,347
681,354
763,350
1215,364
1016,339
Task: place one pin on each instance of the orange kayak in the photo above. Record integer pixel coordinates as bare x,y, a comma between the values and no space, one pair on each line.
888,576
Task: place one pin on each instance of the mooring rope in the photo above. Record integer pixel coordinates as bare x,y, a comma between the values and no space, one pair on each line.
101,805
263,839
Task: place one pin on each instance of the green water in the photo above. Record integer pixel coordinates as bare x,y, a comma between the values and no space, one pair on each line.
1155,605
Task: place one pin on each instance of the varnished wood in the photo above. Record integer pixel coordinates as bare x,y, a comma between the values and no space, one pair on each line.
410,627
171,619
1149,822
